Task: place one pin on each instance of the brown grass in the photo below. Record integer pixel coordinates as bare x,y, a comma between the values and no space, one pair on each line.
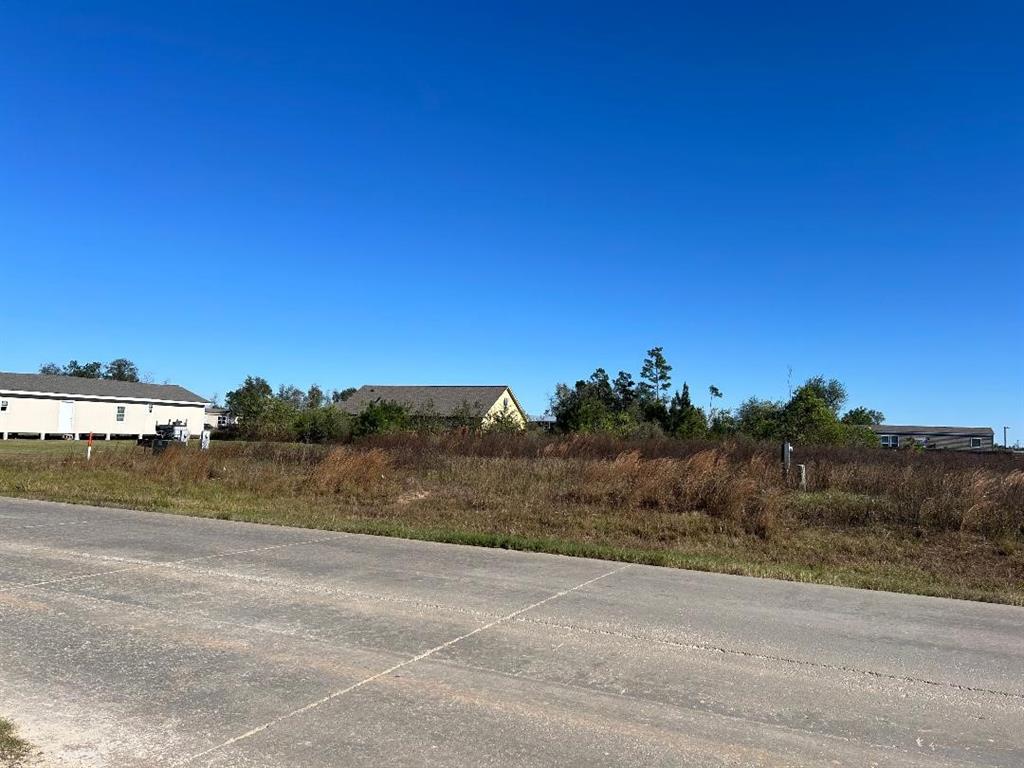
944,524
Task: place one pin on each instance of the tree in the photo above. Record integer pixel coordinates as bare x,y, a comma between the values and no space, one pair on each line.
322,425
809,418
714,392
599,387
723,424
861,416
251,399
381,417
289,393
592,405
93,370
831,391
504,420
121,369
760,419
625,390
684,419
314,397
340,396
655,373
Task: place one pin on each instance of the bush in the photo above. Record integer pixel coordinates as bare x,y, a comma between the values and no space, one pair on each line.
381,418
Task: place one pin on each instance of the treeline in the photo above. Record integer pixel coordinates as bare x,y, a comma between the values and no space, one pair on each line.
121,369
289,414
628,408
314,416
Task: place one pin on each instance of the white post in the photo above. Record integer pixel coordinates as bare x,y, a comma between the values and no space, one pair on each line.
88,452
5,435
76,436
42,435
803,476
107,437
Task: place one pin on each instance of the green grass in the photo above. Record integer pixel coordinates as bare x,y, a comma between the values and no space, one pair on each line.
14,751
57,447
560,506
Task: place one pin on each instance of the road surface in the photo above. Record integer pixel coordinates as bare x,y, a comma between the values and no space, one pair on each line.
142,639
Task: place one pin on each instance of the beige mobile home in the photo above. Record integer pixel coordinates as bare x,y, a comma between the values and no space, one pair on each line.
448,401
39,405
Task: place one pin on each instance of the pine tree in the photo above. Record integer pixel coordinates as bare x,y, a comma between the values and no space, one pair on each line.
655,374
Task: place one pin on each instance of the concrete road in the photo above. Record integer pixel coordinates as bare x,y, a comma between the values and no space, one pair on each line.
140,639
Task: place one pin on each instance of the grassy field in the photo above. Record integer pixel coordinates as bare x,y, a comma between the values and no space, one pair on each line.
935,524
29,447
14,752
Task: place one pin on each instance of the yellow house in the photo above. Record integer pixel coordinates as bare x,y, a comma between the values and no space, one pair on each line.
445,401
40,405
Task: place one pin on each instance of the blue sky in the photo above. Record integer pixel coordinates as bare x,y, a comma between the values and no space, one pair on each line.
520,192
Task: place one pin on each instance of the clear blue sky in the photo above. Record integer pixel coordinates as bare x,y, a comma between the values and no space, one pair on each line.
520,192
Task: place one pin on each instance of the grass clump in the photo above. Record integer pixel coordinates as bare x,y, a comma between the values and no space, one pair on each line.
14,751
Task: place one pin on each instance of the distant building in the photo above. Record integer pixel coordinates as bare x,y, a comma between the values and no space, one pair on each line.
952,438
218,418
41,405
443,401
544,422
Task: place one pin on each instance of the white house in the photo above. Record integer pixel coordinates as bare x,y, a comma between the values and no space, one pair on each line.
44,406
218,418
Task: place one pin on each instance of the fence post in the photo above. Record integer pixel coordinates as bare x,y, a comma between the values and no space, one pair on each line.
803,476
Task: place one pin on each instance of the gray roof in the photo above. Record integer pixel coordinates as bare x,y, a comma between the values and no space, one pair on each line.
439,400
76,385
903,429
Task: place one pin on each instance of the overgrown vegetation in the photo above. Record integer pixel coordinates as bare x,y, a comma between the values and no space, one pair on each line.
937,523
14,751
597,405
628,409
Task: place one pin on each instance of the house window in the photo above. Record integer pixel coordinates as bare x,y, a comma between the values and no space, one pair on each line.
890,441
120,413
975,442
506,403
3,405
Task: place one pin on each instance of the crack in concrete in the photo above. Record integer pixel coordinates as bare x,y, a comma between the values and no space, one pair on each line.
395,667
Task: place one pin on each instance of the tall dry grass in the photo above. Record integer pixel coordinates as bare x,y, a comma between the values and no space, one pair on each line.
738,482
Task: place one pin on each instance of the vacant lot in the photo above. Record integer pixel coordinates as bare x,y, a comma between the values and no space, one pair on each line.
938,524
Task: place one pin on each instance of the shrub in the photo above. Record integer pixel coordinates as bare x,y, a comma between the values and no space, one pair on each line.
382,418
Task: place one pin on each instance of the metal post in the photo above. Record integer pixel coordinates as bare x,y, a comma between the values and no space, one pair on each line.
803,476
1005,444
